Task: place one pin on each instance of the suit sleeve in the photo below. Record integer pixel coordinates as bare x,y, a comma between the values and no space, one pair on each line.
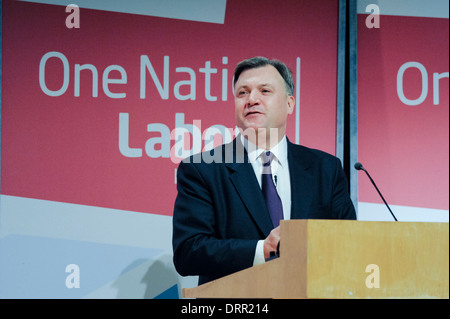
197,247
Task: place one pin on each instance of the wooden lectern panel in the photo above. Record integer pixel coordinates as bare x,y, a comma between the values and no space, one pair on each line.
378,260
346,259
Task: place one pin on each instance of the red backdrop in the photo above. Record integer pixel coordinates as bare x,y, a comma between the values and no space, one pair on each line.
405,147
66,148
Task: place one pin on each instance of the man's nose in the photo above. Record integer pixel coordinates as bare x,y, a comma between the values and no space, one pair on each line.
253,97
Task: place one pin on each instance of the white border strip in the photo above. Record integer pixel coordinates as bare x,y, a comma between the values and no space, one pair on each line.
36,217
212,11
379,212
413,8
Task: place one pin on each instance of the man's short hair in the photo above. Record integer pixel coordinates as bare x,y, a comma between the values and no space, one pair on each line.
258,62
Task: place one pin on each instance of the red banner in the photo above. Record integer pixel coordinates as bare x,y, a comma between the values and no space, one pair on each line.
89,113
403,110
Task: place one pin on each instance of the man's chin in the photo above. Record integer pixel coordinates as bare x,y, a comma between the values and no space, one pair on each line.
258,131
255,129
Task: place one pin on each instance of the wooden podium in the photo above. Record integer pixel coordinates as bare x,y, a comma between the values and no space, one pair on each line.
345,259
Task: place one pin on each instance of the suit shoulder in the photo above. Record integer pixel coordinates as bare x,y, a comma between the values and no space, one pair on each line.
312,152
224,153
313,158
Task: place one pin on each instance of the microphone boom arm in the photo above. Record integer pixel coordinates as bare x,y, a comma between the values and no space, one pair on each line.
358,166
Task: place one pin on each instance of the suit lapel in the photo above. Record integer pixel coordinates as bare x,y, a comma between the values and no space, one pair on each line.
244,180
301,181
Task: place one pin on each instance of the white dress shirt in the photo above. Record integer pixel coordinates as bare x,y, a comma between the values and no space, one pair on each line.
280,174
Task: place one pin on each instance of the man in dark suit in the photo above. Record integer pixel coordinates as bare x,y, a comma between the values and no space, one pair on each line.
230,200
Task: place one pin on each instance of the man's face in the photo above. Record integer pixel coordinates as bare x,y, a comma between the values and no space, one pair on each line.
261,100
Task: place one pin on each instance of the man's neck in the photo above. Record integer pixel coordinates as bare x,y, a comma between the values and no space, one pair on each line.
250,145
262,138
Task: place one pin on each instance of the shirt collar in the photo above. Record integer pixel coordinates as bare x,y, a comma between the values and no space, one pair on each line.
279,150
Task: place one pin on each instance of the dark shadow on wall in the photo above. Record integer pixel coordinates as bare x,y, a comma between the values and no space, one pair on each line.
148,279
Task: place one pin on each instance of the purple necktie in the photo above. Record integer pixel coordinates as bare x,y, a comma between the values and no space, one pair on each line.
269,190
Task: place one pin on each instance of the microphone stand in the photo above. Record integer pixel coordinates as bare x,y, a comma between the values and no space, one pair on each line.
359,166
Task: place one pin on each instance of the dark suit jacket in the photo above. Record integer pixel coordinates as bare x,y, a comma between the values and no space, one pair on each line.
220,212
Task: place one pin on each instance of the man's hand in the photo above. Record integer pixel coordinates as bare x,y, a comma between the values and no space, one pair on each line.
271,242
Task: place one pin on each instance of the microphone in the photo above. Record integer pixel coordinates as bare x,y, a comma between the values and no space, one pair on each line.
358,166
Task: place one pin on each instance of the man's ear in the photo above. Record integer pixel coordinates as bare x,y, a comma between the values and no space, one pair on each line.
291,104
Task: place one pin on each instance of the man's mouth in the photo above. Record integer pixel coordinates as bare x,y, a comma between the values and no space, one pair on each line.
252,113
